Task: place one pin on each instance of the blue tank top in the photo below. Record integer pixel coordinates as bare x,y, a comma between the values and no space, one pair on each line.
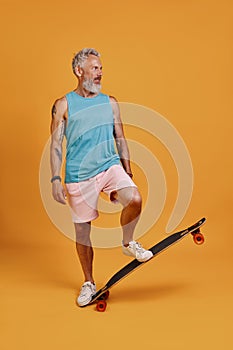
90,147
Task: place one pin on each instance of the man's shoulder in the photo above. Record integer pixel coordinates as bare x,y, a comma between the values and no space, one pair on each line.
61,101
61,104
112,99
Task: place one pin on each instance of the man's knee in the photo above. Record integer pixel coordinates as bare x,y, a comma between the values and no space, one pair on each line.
130,196
136,201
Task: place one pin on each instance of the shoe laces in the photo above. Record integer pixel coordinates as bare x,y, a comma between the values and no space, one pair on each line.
139,247
85,289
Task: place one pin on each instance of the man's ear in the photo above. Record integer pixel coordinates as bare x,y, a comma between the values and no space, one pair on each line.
78,71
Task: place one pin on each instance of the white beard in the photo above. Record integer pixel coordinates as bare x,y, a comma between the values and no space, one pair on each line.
90,86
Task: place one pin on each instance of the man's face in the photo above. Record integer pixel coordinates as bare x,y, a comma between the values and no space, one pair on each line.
92,74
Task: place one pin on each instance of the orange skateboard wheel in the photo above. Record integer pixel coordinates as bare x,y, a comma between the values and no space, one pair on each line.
101,305
198,238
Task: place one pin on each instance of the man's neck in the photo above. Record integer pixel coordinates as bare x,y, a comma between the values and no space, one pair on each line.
84,93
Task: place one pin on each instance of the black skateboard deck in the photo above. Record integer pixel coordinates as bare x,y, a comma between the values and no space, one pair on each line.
102,294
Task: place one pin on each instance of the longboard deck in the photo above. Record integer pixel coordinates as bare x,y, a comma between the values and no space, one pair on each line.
134,264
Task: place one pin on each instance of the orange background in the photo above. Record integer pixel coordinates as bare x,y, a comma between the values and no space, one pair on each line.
176,58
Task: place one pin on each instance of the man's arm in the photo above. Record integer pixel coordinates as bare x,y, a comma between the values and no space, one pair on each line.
121,142
58,124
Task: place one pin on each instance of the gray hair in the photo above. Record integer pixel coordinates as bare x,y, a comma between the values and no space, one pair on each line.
81,56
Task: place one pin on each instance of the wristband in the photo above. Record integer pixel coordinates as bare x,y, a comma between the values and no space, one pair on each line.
56,178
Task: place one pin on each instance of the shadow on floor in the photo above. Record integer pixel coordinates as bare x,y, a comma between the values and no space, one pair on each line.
147,291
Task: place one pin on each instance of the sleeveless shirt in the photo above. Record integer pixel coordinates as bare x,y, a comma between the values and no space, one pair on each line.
90,147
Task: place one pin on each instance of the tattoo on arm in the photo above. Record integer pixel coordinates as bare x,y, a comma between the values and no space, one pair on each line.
61,130
57,140
54,110
58,153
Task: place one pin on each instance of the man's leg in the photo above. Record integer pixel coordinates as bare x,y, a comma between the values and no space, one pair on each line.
131,200
84,249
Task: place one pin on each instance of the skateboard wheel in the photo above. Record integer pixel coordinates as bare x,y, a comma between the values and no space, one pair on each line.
198,238
101,305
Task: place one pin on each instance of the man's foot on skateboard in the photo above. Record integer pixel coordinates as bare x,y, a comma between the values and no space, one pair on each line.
135,249
87,291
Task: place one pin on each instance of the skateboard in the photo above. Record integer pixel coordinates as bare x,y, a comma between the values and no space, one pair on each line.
102,294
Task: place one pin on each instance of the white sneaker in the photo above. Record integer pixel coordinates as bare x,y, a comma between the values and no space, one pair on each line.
135,249
88,289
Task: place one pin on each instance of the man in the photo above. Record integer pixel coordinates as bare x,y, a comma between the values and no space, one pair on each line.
91,122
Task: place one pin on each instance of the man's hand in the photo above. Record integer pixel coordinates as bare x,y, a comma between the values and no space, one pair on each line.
58,192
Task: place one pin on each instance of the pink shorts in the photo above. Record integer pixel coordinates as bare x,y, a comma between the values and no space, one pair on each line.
83,196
